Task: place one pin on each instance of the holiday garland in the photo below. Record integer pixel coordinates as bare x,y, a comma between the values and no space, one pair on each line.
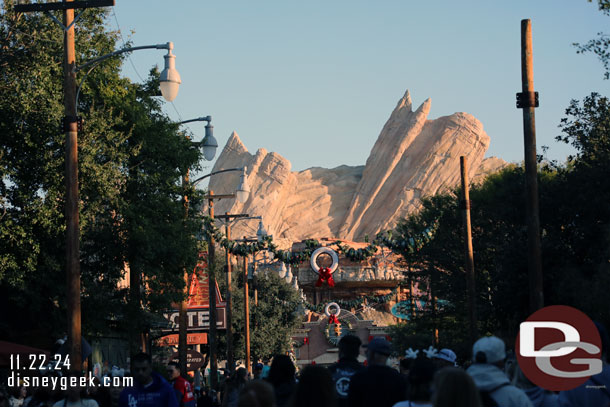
339,332
409,246
246,248
378,299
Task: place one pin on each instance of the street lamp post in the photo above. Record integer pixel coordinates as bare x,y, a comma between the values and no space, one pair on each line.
227,217
247,309
229,298
242,193
209,145
71,127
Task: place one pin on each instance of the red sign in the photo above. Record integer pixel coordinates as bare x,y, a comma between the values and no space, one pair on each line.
198,303
199,286
559,348
191,339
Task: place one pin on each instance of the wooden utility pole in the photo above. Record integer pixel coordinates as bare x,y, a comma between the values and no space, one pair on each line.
70,127
528,101
468,252
246,314
212,295
72,220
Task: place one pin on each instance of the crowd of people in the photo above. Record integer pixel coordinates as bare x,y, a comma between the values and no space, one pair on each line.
429,379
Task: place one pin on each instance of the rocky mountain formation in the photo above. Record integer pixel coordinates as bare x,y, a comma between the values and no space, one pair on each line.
412,157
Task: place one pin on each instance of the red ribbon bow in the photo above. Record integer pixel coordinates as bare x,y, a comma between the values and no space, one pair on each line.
325,275
332,319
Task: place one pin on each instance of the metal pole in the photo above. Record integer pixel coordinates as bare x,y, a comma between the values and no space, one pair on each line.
411,297
182,320
255,289
247,314
468,252
253,279
229,300
212,290
73,291
529,103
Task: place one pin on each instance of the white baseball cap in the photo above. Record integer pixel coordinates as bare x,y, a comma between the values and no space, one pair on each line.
492,347
446,354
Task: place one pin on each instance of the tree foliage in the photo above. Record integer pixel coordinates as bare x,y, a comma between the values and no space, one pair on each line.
272,320
575,233
599,46
131,160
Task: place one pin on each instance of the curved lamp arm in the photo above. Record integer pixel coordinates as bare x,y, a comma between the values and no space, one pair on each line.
199,119
93,63
214,173
167,46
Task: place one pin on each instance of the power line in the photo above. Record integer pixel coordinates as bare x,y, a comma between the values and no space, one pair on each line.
177,112
131,61
118,26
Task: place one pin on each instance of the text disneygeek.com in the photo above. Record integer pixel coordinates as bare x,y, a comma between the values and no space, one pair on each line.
64,382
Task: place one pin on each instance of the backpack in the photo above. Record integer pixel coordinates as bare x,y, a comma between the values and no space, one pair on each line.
487,400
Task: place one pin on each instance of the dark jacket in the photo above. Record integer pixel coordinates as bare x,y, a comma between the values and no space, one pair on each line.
283,393
342,373
376,386
159,394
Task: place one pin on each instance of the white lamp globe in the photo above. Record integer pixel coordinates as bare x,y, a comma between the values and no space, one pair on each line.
209,143
243,191
170,78
261,232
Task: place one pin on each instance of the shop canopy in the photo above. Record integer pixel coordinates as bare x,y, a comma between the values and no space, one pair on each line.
9,348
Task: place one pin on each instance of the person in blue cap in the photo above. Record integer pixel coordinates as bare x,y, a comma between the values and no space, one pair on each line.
377,385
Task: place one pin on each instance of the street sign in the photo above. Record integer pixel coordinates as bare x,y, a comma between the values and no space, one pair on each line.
198,319
194,360
191,339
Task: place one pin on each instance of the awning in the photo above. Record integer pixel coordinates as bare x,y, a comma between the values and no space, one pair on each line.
9,348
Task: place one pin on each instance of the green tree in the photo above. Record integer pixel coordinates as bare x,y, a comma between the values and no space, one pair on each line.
600,45
131,159
575,242
272,321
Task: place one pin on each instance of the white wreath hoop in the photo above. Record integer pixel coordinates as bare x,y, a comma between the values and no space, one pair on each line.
319,251
327,309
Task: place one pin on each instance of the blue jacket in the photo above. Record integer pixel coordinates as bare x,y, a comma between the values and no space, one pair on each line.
488,377
542,398
595,392
159,394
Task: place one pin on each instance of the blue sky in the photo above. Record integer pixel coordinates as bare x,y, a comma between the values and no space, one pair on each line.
316,80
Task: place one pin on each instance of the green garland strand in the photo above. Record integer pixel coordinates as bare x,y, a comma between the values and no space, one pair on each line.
409,246
349,304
